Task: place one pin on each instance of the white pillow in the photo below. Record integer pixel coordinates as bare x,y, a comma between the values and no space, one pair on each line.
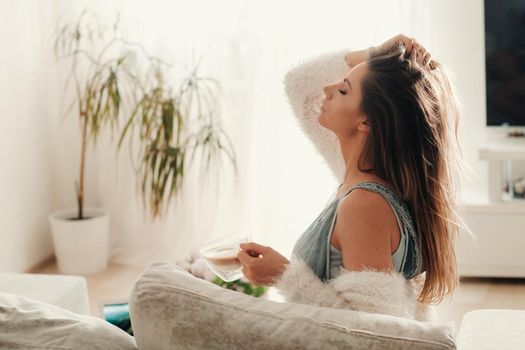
30,324
172,309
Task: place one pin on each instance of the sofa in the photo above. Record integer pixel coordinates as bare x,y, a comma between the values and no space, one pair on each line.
172,309
67,291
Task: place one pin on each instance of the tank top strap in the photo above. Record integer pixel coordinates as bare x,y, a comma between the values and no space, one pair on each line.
375,187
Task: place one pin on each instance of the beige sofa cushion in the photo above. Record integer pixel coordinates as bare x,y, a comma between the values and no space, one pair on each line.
30,324
67,291
172,309
486,329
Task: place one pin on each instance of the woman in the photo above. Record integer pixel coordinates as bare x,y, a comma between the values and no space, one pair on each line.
388,130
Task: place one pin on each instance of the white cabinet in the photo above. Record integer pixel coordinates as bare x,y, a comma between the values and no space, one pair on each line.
499,247
497,221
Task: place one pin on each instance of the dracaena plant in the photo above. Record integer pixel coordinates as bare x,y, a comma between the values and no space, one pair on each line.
163,119
171,122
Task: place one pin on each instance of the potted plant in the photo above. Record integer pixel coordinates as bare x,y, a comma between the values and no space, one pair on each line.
162,117
162,113
80,235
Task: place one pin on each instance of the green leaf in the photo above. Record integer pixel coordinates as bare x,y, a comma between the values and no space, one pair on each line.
217,280
258,291
248,289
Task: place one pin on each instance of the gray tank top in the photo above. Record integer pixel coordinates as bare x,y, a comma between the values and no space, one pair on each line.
315,248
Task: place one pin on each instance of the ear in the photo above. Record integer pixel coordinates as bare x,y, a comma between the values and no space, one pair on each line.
363,125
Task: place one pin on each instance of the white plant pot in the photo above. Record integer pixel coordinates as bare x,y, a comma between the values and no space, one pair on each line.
81,246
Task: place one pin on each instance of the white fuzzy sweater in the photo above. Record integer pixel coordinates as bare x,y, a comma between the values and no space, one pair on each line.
370,291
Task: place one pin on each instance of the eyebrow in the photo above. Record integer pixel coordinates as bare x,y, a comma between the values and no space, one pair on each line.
348,82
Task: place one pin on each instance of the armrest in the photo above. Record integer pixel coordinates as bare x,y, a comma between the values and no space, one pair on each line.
492,329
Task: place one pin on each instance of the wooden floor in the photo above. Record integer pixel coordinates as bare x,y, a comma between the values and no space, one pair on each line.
474,293
483,293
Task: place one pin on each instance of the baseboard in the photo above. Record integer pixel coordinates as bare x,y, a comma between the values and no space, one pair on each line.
43,263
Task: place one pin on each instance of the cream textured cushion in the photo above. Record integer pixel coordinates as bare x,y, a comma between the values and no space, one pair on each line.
68,292
30,324
172,309
492,329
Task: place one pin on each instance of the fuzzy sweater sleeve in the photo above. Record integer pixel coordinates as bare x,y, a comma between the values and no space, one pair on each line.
368,290
304,88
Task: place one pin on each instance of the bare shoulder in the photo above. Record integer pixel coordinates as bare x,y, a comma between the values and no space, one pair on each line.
364,222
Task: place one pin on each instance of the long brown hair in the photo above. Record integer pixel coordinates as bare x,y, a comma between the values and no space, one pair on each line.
414,118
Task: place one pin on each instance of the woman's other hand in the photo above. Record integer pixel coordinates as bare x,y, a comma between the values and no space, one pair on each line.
261,265
414,50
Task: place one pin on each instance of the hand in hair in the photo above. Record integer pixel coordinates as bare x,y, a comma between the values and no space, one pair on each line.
414,50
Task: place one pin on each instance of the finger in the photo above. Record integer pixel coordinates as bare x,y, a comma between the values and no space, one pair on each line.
241,257
253,254
413,52
247,274
426,59
258,284
416,52
247,257
410,46
244,258
422,52
254,247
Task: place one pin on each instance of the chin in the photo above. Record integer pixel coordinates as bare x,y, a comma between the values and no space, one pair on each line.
321,120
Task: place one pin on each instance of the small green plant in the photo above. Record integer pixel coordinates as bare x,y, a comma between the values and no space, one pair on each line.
109,85
239,285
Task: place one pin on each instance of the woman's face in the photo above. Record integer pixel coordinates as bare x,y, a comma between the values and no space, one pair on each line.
341,108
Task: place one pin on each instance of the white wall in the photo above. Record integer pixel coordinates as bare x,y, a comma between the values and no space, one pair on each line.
456,38
26,109
39,149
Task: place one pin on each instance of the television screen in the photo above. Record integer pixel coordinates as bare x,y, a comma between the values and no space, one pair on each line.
505,62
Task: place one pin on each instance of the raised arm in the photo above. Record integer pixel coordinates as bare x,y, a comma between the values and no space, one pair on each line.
304,87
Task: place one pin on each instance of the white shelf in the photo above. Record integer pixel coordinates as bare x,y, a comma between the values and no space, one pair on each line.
480,203
504,150
498,154
493,208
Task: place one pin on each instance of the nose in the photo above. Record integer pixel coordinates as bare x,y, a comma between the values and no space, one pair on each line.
326,90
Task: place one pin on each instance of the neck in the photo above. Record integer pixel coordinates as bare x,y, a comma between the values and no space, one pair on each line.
351,150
